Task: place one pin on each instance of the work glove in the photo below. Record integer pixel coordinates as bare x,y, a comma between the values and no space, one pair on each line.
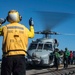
2,21
31,23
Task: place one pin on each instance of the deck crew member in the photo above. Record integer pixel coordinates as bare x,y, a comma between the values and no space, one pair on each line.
66,57
15,42
57,58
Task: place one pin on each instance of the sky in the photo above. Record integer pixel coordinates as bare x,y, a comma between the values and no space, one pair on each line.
29,8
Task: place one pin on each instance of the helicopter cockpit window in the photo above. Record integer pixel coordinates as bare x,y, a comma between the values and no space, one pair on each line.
40,46
32,46
48,46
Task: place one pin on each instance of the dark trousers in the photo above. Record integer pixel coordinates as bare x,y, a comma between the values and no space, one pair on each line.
65,62
71,61
56,62
13,64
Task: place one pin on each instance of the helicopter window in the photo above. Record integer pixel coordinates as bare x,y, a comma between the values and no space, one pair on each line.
32,46
40,46
48,46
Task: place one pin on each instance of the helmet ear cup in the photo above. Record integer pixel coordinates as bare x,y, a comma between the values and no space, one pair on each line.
7,17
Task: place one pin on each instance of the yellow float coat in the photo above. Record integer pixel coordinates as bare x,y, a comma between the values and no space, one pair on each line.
15,38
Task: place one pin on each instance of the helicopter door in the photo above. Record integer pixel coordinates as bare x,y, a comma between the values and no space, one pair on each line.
48,46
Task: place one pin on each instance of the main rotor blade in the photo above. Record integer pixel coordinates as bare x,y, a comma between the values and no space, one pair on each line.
67,34
52,33
51,19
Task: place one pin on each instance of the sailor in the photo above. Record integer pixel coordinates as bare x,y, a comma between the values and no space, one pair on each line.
57,58
15,42
66,57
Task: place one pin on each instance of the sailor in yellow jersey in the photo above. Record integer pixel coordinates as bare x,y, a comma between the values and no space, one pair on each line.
14,46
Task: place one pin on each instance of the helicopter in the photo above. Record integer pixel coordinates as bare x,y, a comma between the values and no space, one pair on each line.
40,51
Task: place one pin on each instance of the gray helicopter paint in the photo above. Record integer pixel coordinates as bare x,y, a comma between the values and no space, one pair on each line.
41,56
40,53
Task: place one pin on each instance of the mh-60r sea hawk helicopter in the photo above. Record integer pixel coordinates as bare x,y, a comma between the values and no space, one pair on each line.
40,51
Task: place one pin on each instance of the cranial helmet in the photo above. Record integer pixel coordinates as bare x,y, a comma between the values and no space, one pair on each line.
13,16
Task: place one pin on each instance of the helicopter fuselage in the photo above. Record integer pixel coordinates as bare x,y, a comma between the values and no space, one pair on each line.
40,52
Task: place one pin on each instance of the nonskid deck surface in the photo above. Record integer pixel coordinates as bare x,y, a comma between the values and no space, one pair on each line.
51,71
